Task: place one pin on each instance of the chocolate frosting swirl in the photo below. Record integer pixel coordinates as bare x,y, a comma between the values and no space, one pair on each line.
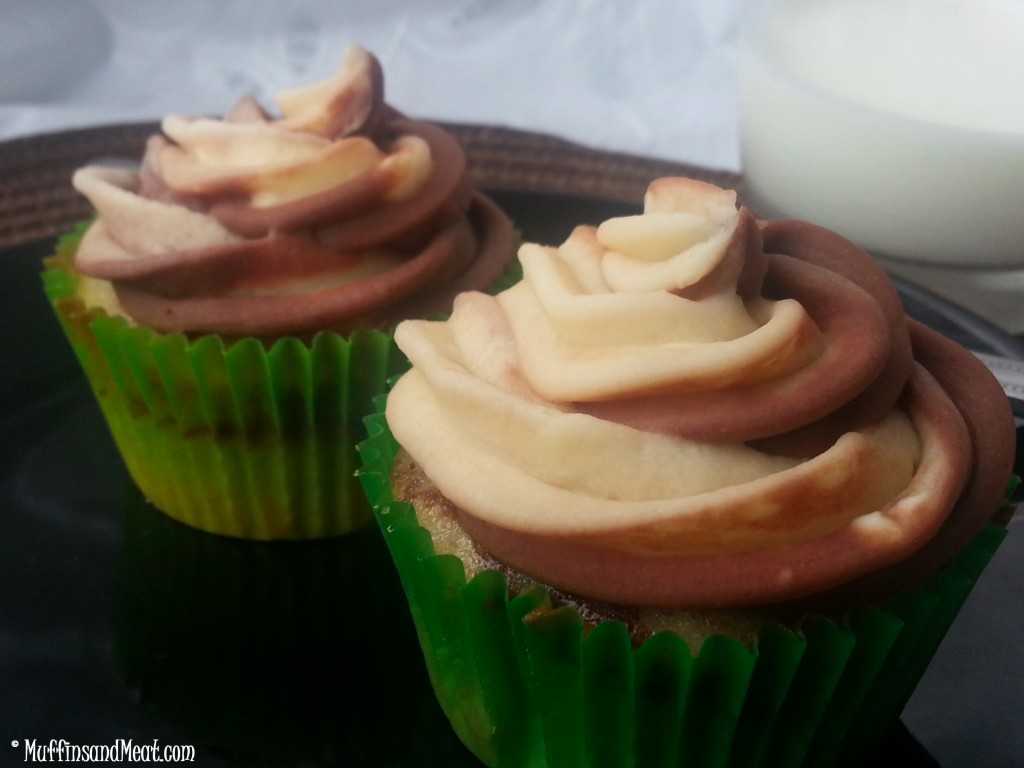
694,408
341,213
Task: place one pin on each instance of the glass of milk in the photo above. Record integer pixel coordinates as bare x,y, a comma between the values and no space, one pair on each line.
899,124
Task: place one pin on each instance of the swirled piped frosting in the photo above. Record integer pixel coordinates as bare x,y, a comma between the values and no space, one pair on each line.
694,408
339,213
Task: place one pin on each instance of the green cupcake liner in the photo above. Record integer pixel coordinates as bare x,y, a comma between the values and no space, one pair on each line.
523,683
235,439
273,653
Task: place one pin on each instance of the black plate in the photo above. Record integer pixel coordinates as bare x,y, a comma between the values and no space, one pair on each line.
119,624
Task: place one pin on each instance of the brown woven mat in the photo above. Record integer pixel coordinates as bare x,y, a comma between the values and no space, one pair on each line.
37,200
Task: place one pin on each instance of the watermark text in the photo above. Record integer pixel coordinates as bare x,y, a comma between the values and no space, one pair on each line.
121,751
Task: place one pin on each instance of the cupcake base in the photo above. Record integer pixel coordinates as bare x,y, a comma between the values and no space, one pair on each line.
525,683
232,438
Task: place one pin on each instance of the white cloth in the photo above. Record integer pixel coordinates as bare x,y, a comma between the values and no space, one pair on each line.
653,78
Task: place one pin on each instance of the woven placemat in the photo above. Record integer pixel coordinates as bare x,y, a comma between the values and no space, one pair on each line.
37,200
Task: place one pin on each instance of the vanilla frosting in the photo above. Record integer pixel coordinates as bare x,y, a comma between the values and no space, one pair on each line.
689,407
338,213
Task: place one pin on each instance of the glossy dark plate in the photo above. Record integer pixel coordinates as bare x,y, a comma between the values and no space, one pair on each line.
117,623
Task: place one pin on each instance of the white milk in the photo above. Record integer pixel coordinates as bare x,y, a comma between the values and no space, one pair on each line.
898,123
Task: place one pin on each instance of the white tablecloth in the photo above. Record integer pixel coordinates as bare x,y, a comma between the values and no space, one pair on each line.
653,78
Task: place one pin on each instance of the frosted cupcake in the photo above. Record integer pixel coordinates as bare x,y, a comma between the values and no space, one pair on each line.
233,301
694,492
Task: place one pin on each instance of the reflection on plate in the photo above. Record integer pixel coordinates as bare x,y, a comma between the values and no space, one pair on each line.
116,622
285,651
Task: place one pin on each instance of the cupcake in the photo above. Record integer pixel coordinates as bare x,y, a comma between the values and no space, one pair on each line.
233,301
694,492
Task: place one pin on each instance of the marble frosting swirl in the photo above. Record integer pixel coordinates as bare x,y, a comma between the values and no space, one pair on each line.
694,408
339,213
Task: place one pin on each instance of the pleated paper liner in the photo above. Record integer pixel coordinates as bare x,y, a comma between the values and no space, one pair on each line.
524,684
237,439
270,653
